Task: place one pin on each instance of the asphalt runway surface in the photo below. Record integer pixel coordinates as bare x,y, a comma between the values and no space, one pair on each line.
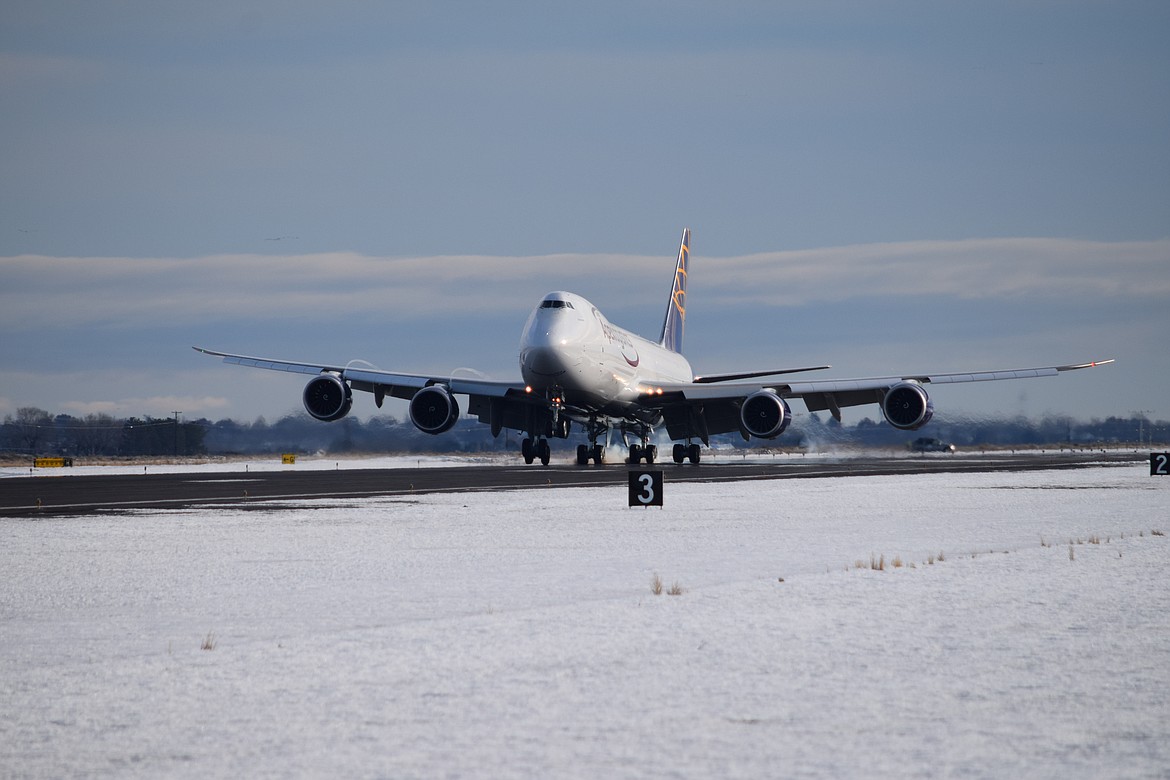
62,494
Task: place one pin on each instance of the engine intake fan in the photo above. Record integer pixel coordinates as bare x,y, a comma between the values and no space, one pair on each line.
434,410
907,407
764,415
328,398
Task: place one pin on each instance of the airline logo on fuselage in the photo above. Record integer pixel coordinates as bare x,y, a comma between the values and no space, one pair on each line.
620,338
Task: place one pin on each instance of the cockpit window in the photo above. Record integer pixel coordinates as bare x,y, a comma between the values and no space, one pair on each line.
555,304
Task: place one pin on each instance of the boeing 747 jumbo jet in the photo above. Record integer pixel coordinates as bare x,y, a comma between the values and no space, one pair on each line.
577,367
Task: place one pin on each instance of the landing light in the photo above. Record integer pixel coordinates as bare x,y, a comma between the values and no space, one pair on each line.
528,388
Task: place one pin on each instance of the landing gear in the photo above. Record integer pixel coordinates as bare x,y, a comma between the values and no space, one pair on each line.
585,453
593,451
532,450
638,452
689,452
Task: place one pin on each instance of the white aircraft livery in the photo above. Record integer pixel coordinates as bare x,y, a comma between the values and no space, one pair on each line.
577,367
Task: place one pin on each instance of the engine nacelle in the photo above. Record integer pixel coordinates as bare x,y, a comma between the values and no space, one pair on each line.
434,410
327,397
907,407
764,414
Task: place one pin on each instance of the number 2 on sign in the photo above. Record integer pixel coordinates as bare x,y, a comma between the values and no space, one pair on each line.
1159,464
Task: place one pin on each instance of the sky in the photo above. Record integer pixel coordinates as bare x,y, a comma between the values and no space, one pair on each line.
886,187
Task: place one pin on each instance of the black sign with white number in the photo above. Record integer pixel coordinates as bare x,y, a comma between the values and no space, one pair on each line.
645,488
1159,464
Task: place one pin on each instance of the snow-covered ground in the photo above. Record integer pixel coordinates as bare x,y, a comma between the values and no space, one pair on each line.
1027,633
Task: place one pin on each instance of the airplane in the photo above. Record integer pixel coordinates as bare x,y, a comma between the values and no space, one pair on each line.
578,367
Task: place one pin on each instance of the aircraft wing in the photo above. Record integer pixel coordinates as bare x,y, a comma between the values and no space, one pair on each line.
717,405
377,381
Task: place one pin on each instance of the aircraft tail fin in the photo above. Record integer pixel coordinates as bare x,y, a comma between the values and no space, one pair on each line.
676,308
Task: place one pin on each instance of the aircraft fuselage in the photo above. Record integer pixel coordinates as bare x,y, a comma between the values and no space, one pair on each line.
568,346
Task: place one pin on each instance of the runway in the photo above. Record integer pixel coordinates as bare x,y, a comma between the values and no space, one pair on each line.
62,494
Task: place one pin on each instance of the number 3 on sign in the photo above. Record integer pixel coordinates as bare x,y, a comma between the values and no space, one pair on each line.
1159,464
645,488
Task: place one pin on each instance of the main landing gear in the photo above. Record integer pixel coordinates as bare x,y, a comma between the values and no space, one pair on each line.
586,453
689,452
638,452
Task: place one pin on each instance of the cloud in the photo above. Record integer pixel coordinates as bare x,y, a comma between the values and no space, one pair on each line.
138,292
972,269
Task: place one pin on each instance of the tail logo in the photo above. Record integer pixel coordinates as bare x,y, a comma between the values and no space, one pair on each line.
676,310
679,298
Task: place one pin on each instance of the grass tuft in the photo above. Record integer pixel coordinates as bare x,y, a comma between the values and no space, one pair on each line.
656,584
675,590
209,641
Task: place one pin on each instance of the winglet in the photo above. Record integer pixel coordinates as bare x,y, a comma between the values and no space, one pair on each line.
1092,364
676,308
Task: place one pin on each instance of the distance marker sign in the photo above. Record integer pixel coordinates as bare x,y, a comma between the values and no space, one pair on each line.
645,488
1159,464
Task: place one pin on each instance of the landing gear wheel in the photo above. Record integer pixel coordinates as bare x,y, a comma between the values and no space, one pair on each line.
635,454
598,454
680,453
543,451
526,451
650,453
582,454
693,454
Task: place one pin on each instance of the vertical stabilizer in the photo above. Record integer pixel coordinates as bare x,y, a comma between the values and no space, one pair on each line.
676,309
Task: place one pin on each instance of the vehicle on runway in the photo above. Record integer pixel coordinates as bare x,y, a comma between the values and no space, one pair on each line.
925,444
577,367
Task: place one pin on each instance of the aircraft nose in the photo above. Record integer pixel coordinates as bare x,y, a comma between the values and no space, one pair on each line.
544,361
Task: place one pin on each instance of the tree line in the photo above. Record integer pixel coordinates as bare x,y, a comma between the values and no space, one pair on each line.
32,431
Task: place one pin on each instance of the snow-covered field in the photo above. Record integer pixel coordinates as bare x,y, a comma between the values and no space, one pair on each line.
1027,634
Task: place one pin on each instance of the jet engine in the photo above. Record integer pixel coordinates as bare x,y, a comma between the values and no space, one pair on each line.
764,414
327,397
434,410
907,406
